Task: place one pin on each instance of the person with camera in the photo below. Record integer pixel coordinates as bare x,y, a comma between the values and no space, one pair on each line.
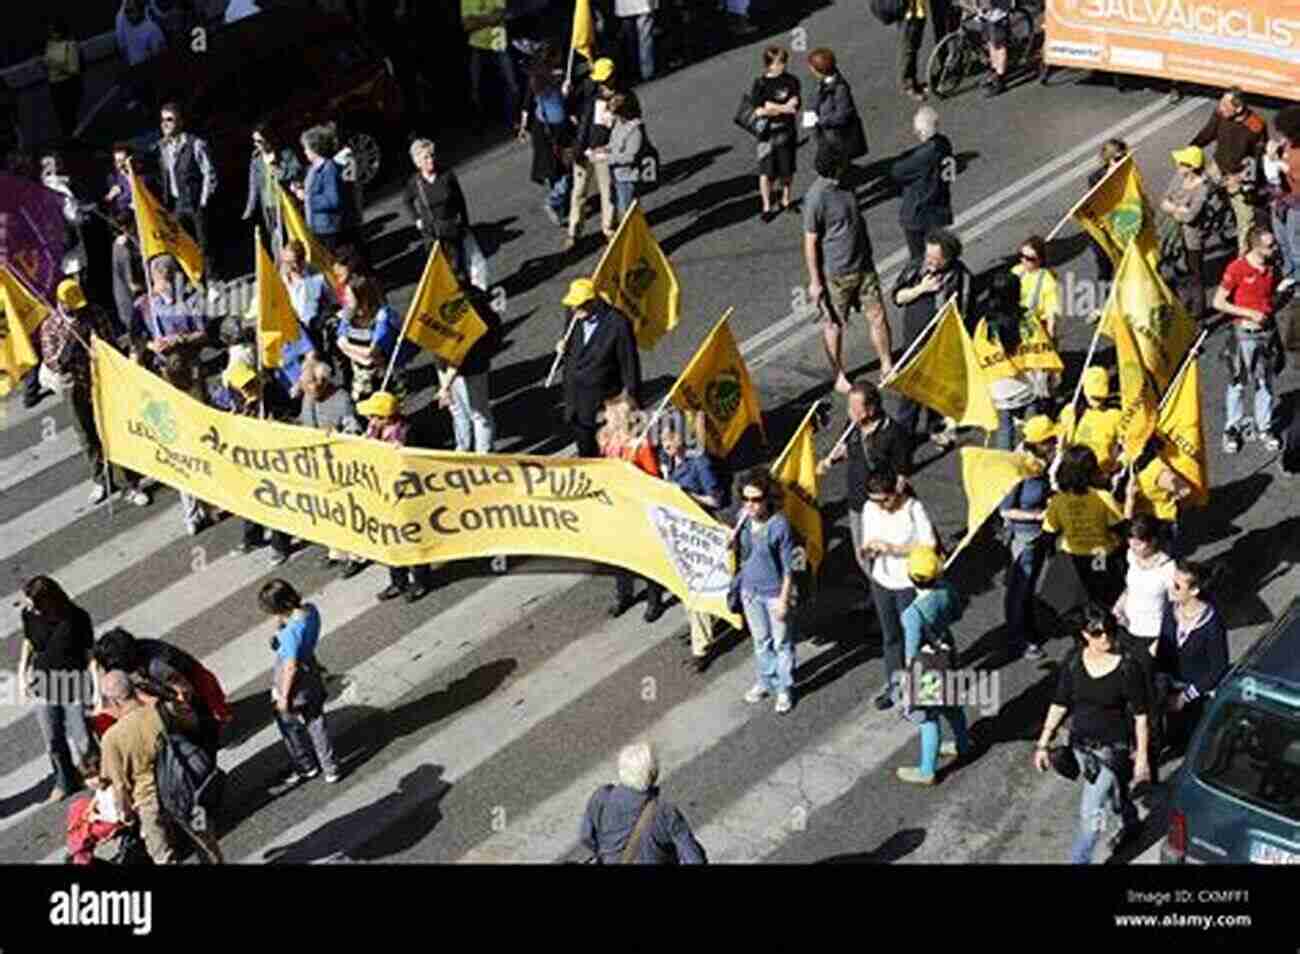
1098,688
297,683
926,636
775,96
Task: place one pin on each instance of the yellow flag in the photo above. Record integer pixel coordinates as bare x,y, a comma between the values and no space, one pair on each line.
441,319
584,32
17,356
318,256
1137,419
796,471
1161,326
160,234
1116,211
635,276
988,476
717,382
944,374
1180,425
277,322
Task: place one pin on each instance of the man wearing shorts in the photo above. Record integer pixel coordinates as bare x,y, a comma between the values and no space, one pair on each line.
841,270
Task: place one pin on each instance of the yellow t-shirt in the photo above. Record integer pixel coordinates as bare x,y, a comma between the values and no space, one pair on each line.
1049,296
915,10
1098,429
1084,521
1153,498
488,38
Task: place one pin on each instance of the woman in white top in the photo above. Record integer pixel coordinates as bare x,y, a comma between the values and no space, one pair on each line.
1140,609
893,523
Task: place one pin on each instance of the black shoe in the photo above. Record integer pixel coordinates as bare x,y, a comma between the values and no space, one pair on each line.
247,547
654,610
620,606
31,400
769,215
1124,836
328,562
996,87
352,568
416,593
390,592
884,702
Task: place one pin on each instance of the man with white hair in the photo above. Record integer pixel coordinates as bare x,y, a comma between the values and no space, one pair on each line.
628,824
923,173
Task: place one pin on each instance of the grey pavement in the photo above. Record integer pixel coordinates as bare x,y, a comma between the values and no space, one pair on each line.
474,724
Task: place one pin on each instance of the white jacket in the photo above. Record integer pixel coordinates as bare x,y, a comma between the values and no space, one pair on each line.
634,8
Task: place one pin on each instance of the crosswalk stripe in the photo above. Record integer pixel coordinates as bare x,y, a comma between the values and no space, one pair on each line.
50,517
31,462
488,727
13,414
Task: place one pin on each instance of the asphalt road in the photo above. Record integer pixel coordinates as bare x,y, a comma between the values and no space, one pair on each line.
475,724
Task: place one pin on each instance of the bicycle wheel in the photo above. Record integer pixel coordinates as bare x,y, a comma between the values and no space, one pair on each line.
1022,40
948,64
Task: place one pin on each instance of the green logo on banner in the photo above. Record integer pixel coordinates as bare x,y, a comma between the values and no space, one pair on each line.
158,415
723,395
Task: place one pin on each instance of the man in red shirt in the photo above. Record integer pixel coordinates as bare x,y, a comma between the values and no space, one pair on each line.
1246,294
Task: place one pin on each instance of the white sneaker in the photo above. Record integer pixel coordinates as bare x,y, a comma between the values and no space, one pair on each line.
1285,283
783,703
97,494
756,694
137,497
332,777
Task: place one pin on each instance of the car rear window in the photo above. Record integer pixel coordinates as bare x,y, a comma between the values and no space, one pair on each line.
1254,754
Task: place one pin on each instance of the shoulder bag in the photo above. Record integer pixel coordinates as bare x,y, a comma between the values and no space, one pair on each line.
638,833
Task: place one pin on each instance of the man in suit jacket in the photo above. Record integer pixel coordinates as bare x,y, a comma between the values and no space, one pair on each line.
923,174
322,190
600,362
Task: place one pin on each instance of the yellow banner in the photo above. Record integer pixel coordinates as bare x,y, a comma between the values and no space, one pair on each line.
1181,427
944,374
318,256
584,33
717,382
277,322
441,319
23,314
796,471
1137,420
634,274
988,476
1035,353
1161,326
403,507
1116,211
160,234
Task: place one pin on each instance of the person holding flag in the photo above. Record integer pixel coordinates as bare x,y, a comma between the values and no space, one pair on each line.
1098,426
169,323
589,103
600,361
271,169
464,390
1115,212
161,233
369,335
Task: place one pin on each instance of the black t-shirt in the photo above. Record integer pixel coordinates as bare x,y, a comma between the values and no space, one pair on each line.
1100,707
62,646
777,89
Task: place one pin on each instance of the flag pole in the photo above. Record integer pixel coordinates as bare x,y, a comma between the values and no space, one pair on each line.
667,397
1086,196
257,332
776,465
401,338
916,342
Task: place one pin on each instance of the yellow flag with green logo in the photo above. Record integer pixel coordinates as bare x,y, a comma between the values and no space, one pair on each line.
988,476
161,234
796,471
1116,211
944,374
635,276
23,314
1162,328
1181,426
277,321
1138,400
584,31
318,256
717,382
441,319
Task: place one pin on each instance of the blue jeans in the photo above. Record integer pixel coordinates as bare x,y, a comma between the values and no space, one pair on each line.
624,196
307,741
1005,436
66,740
773,642
1286,229
557,195
1254,366
929,716
501,60
639,33
1107,793
1027,561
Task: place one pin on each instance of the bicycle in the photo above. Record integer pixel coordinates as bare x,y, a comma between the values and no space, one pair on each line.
963,56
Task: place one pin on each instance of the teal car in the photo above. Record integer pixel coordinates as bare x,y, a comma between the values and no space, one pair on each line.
1236,798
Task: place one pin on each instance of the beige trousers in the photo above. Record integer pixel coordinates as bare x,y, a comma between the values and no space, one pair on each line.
582,175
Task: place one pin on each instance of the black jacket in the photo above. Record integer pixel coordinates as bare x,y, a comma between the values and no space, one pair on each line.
917,314
590,135
887,445
439,206
603,367
836,113
1201,661
927,201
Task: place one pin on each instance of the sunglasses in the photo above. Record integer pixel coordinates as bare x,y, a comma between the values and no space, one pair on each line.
1028,258
748,499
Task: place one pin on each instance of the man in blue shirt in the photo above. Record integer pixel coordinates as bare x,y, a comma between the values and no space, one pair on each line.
169,323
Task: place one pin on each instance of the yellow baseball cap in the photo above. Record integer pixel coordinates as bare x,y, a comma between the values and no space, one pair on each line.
380,404
923,564
1192,156
1039,428
602,69
581,291
70,295
1096,383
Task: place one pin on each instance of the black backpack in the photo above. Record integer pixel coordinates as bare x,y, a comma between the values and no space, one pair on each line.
889,12
190,785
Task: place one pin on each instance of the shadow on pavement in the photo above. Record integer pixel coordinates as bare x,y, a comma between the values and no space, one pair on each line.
894,848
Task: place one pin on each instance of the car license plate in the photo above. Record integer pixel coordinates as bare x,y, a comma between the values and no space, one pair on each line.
1264,853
